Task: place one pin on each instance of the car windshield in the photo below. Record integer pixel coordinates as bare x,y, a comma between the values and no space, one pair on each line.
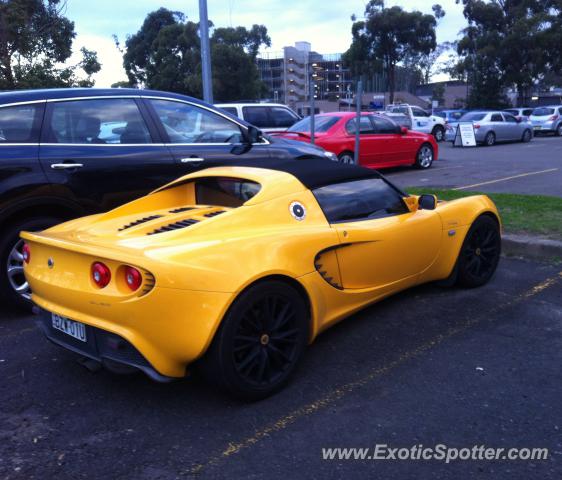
472,117
321,124
542,111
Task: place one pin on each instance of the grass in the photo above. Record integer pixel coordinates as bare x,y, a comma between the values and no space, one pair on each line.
530,214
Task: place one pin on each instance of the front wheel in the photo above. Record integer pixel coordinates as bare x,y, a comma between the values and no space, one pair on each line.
438,133
424,157
14,288
480,253
347,158
260,341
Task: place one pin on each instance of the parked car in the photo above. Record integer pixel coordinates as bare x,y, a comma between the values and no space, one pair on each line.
494,126
70,152
399,118
268,117
383,143
450,115
239,269
520,113
422,121
547,120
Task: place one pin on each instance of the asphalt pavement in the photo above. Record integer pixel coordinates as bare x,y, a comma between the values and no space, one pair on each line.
431,365
525,168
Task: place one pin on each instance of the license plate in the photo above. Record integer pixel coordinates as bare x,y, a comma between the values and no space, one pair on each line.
537,127
70,327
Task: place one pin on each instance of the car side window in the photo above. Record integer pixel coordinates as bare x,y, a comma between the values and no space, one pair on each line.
496,117
231,110
456,115
418,112
186,123
257,116
529,112
282,117
384,126
19,124
365,126
97,121
560,110
510,118
358,200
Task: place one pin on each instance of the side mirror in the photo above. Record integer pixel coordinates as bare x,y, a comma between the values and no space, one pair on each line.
403,130
427,202
254,135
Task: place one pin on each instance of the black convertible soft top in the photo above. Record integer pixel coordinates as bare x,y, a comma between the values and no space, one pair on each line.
311,172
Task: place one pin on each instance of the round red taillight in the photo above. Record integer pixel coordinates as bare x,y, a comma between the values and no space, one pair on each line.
26,253
133,278
101,275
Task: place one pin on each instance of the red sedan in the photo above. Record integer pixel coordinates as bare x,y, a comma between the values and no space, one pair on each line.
383,143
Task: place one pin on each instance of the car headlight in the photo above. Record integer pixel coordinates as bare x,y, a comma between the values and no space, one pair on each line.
332,156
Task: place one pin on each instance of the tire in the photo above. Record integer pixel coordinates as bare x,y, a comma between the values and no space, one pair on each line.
347,158
254,353
527,136
439,133
480,253
558,131
490,139
424,157
13,286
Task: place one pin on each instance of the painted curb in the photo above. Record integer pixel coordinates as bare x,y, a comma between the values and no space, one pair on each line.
531,246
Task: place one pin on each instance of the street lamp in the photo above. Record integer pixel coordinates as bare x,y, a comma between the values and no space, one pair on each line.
314,77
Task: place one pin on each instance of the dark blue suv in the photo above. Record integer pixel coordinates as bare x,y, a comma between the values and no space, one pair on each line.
71,152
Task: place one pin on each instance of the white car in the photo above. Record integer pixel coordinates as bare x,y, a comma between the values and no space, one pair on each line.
547,119
268,117
422,121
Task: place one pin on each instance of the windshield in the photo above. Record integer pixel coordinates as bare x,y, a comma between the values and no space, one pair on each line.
472,117
539,112
321,124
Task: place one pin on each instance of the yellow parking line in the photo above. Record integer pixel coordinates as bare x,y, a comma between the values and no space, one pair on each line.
505,178
339,392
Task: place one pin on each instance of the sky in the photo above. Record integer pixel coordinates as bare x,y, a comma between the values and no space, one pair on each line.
326,25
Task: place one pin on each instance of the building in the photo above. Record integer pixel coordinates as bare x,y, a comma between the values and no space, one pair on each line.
287,75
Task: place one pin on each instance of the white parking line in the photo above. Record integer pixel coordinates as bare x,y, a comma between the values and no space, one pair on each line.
505,178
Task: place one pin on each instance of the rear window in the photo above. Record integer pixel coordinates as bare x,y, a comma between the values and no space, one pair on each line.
359,200
472,117
225,191
231,110
321,124
542,111
17,124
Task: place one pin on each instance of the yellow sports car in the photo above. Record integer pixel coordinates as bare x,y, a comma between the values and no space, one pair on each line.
234,269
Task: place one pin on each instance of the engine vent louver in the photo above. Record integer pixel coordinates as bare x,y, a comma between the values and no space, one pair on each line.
149,282
181,209
140,221
214,214
174,226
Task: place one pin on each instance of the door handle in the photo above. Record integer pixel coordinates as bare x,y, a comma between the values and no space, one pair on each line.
66,166
192,160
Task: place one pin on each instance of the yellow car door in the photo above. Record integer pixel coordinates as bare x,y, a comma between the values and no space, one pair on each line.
383,245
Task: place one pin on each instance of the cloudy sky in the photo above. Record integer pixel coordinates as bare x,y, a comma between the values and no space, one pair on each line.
326,24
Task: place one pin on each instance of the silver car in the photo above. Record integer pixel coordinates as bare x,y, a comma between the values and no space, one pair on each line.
547,119
494,126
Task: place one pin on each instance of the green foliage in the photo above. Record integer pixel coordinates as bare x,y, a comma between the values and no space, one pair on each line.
35,39
165,55
508,43
438,93
389,36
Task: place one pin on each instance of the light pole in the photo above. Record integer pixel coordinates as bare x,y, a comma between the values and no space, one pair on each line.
313,78
358,102
205,52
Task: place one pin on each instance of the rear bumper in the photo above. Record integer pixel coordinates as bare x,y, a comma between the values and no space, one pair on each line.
100,346
544,126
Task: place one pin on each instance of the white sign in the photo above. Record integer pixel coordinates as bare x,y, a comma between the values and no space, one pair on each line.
464,137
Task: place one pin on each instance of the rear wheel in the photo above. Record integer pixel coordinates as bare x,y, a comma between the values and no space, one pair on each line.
14,288
527,135
490,139
439,133
480,253
260,341
559,130
424,157
347,158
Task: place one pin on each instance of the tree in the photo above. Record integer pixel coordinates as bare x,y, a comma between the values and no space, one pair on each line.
35,40
427,62
509,43
438,93
388,36
165,54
